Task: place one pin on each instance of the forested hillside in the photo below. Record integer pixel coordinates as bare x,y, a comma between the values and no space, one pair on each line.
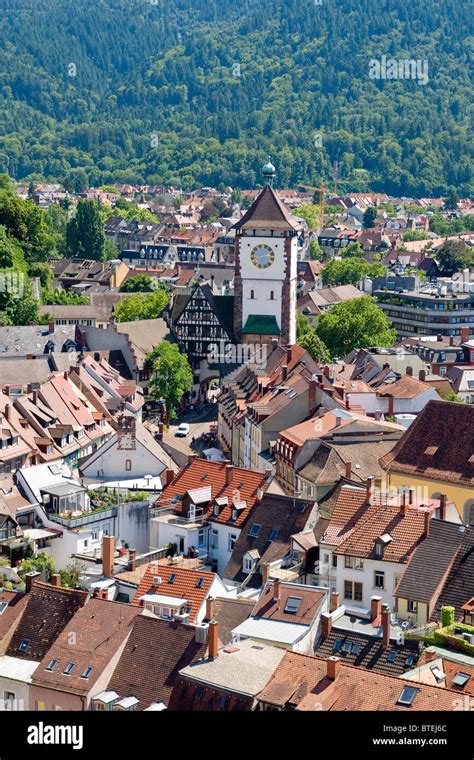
149,91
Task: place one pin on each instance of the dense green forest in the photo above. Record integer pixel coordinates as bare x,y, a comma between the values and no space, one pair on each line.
195,92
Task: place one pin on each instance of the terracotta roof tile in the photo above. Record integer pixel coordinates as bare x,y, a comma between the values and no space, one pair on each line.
192,585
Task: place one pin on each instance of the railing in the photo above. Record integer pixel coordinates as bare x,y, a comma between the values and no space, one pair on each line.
177,518
85,518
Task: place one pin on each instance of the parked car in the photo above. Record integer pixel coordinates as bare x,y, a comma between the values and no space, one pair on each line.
183,430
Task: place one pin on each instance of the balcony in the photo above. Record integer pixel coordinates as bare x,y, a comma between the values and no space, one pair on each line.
169,516
78,520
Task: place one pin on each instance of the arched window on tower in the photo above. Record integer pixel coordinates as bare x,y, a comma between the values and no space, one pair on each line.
272,295
252,295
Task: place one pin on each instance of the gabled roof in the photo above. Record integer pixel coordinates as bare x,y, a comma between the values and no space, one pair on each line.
431,561
460,582
15,605
367,651
309,602
154,654
48,611
446,426
267,212
301,681
101,627
177,583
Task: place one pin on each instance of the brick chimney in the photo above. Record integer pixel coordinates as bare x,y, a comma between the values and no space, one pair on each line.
464,334
159,434
229,472
326,624
168,477
390,406
348,470
442,506
348,401
411,496
284,373
370,488
210,608
30,578
132,560
313,384
276,590
265,571
56,580
426,528
375,608
334,601
7,411
409,371
386,626
326,370
289,354
422,375
333,665
212,641
108,551
50,327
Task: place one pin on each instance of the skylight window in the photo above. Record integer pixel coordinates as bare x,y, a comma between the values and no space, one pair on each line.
346,647
337,646
172,578
255,530
461,679
274,535
52,665
200,583
410,660
198,695
24,644
392,656
3,607
87,672
68,669
407,696
292,605
356,649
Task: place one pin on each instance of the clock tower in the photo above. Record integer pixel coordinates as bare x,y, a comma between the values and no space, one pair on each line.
265,269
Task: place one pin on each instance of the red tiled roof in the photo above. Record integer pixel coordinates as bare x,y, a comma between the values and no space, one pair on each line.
268,608
16,604
199,473
184,585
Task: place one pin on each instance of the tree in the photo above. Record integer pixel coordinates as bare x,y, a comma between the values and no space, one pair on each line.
11,253
303,325
354,324
314,346
310,213
455,255
353,251
142,305
172,375
26,223
410,235
350,271
64,298
453,396
370,214
42,563
18,306
315,251
85,236
139,283
452,200
72,573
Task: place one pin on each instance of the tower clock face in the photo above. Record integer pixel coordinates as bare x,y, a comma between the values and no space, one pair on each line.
262,256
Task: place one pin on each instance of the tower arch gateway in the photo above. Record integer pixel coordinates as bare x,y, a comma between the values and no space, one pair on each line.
266,269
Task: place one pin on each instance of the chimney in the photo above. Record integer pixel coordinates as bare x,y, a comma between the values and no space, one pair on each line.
338,421
210,608
378,415
50,327
7,411
411,496
97,357
390,406
108,551
132,559
442,506
464,334
333,665
422,375
284,373
30,578
375,608
56,580
451,340
34,397
312,396
429,655
348,401
426,529
289,354
440,338
265,571
403,503
159,435
326,370
334,601
348,470
229,471
386,626
409,371
169,477
212,640
326,624
370,488
259,494
276,590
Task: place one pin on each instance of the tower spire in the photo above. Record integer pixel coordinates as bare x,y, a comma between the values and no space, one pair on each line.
269,172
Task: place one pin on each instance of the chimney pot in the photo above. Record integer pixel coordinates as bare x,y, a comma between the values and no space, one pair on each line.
378,415
210,608
442,506
409,371
229,471
375,608
108,552
334,601
422,375
333,665
132,559
386,627
56,580
30,578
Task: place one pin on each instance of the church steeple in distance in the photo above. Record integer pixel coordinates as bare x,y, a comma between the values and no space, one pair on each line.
269,173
